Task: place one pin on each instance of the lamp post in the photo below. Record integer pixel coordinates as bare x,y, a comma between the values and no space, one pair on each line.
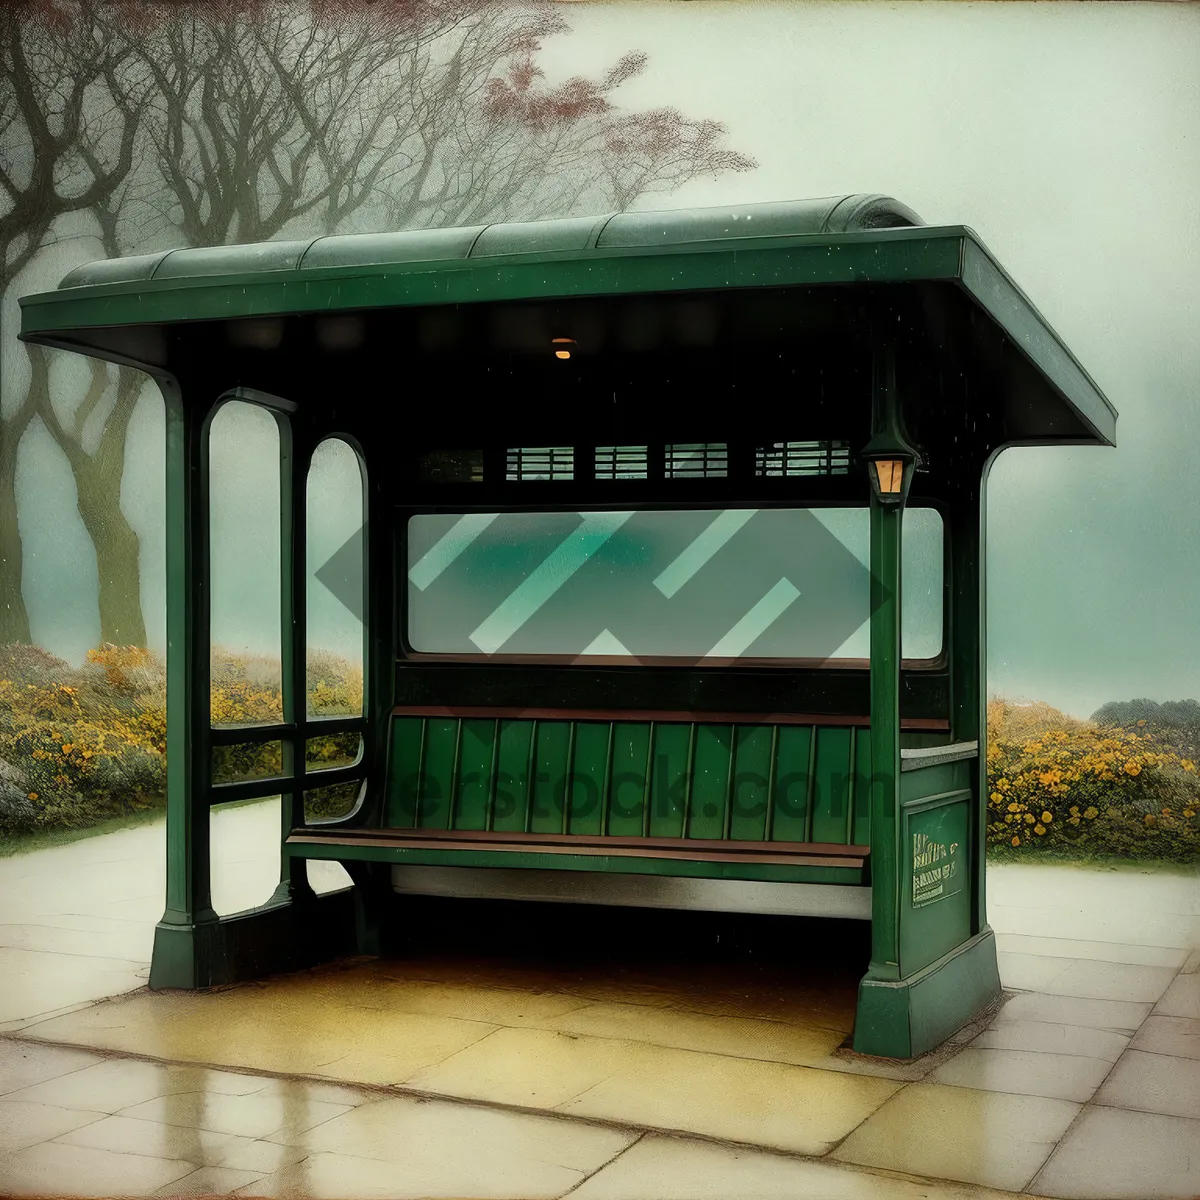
891,462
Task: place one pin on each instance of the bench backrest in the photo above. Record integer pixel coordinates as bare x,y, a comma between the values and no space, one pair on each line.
754,778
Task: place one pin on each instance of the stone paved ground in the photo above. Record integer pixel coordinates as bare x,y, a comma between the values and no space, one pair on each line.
519,1076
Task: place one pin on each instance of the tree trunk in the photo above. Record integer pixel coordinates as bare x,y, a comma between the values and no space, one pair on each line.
98,485
117,549
14,620
98,494
14,617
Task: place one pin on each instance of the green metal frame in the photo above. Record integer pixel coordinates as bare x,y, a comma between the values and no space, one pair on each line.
999,373
191,948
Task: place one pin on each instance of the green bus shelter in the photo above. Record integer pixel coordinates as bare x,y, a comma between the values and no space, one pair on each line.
672,588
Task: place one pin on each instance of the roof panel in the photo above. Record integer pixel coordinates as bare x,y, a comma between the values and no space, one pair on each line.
207,261
539,237
378,249
114,270
829,214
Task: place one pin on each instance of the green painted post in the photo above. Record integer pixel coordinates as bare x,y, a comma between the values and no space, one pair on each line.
380,610
968,685
885,740
882,1025
294,455
187,940
933,959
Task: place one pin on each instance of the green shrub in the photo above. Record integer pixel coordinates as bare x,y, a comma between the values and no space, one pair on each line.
1059,786
84,745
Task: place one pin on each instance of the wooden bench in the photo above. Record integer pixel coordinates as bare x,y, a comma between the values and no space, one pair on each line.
752,796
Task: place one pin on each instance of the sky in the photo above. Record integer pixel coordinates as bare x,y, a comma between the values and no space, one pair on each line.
1066,135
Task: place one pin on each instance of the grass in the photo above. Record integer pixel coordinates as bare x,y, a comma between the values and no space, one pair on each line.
1092,861
43,839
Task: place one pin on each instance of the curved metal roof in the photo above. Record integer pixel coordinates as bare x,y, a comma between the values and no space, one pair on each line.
847,240
624,231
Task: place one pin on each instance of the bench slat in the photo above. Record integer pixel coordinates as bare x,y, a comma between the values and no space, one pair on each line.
688,849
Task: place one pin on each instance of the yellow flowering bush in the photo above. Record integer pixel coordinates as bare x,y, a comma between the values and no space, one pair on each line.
246,691
1060,785
80,745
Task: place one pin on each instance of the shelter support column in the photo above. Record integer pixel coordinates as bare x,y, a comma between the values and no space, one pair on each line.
295,452
933,959
187,939
886,524
968,674
378,930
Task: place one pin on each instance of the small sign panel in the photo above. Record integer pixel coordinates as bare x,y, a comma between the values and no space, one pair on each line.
938,871
936,912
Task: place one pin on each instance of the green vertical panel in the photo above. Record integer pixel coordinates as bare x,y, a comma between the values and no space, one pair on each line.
831,784
751,777
441,741
550,759
885,726
588,777
474,774
627,782
791,783
512,776
669,782
862,789
710,782
404,772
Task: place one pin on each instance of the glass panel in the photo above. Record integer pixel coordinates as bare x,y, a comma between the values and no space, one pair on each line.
246,760
331,802
335,581
244,553
333,750
245,631
244,846
922,565
694,584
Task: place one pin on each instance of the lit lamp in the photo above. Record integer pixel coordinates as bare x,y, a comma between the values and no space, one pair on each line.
891,462
563,346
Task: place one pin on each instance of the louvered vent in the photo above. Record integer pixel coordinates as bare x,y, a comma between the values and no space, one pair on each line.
528,463
707,460
803,458
621,462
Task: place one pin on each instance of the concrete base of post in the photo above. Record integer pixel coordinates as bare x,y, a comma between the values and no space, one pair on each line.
909,1017
281,936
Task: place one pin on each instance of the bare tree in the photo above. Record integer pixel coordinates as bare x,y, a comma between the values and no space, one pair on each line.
99,468
270,118
490,145
419,112
260,119
98,474
63,85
